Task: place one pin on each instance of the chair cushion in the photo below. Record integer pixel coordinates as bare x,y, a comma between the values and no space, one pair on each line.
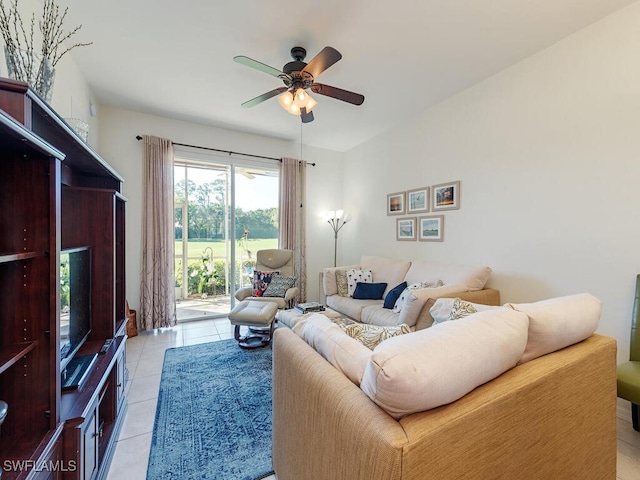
253,313
629,381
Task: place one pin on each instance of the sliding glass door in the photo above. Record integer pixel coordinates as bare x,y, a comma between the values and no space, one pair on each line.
224,213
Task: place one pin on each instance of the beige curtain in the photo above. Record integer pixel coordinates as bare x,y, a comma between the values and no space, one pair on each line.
158,303
293,218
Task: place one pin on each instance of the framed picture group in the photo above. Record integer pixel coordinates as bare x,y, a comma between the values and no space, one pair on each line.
424,228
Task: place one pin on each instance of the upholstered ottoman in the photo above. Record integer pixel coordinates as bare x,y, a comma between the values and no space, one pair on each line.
257,314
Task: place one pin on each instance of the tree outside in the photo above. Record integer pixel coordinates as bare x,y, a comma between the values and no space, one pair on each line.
207,272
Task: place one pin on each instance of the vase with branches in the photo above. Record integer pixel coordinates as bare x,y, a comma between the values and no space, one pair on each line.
24,62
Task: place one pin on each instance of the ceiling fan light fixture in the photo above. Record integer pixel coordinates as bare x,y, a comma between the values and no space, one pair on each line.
290,102
303,100
285,100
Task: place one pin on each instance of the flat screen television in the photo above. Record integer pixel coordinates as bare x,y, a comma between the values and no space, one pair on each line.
75,301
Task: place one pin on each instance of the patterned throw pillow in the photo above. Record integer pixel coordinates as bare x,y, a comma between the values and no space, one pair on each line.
371,335
354,276
279,286
426,284
341,281
461,309
261,281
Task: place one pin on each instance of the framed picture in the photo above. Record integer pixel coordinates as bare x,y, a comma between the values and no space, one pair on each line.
395,204
446,196
431,228
406,229
418,200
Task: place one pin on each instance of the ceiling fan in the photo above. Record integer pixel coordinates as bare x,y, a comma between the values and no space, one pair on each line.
299,76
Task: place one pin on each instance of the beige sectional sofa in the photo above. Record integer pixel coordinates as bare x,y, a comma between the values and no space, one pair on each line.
549,414
444,280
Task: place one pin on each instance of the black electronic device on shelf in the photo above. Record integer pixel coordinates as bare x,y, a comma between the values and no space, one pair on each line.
77,370
75,301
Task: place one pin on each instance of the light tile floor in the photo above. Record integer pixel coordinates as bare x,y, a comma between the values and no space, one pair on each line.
145,354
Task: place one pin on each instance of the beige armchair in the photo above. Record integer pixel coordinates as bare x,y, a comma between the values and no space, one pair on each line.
280,260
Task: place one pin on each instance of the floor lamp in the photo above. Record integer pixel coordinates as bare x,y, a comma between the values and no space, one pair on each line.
337,220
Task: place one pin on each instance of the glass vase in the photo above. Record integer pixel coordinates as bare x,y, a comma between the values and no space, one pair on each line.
33,69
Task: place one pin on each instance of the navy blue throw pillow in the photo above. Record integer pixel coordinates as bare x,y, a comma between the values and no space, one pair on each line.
394,293
369,291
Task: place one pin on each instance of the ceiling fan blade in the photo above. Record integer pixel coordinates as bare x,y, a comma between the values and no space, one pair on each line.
327,57
306,117
338,93
250,62
265,96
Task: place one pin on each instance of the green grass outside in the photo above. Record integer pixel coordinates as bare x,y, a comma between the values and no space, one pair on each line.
196,248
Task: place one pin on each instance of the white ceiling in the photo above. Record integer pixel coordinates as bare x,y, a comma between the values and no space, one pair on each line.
176,58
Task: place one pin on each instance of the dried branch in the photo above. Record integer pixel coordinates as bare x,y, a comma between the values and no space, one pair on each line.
23,61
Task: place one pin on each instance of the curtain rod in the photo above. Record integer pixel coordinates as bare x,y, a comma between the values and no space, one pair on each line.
138,137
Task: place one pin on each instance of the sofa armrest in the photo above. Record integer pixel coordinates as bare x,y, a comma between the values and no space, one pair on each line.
553,417
486,296
290,295
333,429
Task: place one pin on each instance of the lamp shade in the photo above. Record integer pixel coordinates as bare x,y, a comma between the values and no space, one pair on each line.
293,103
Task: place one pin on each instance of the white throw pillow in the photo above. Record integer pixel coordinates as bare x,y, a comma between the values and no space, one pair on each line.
432,367
354,276
559,322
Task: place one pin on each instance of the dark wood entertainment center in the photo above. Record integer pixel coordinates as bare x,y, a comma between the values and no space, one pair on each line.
56,193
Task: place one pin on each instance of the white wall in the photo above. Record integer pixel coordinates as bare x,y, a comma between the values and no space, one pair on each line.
547,153
120,148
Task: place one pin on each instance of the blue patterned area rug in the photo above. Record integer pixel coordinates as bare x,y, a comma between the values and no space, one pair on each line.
213,419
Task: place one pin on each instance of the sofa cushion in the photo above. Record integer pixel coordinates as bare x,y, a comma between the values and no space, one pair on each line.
378,315
416,300
349,306
358,275
386,269
369,291
425,320
279,285
372,335
343,352
474,278
438,365
558,322
393,294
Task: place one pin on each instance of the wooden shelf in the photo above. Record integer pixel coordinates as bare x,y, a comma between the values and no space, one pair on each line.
14,257
12,353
